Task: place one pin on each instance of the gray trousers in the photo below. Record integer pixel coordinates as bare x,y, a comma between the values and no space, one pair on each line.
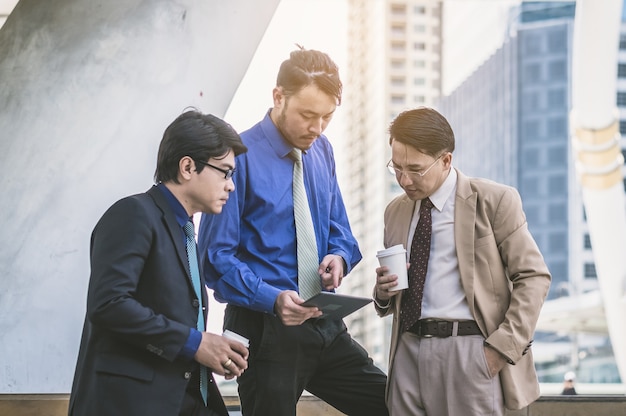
442,377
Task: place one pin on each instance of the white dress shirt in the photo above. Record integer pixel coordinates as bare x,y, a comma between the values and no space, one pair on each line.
443,294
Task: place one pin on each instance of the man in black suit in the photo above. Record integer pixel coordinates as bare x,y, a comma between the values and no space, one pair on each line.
141,352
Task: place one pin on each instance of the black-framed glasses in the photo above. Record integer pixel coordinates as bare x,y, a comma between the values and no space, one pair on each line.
228,173
411,174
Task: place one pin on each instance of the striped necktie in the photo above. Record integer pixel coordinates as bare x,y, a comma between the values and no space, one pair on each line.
309,281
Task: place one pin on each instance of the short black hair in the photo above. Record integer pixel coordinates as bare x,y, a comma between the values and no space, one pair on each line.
199,136
424,129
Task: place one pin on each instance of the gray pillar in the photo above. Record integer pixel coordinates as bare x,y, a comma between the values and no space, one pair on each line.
86,89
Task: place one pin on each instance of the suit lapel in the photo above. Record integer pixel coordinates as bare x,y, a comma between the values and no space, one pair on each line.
464,220
399,226
173,229
400,222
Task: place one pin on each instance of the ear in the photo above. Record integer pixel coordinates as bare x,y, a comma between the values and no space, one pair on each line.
186,167
447,160
278,96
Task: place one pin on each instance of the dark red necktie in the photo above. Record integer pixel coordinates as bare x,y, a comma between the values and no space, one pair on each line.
411,307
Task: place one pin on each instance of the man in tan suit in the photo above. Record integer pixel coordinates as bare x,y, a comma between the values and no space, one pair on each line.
460,340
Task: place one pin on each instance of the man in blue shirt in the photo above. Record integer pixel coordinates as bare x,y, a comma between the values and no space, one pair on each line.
144,349
253,265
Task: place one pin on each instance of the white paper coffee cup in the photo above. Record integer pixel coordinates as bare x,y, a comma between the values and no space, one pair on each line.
236,337
395,260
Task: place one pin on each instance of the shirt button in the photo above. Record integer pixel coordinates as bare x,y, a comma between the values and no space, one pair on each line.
195,303
187,375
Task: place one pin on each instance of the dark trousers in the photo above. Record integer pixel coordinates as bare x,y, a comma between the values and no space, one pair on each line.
193,405
319,356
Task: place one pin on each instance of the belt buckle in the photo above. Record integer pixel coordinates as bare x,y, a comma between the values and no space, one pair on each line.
427,321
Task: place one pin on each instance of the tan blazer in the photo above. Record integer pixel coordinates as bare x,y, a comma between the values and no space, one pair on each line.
503,274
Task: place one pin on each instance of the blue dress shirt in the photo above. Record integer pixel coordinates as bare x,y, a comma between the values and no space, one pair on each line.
195,337
248,252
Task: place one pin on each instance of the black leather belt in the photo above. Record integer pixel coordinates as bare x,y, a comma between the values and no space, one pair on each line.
428,328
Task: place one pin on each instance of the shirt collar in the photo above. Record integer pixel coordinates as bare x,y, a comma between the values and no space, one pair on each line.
179,211
441,195
275,137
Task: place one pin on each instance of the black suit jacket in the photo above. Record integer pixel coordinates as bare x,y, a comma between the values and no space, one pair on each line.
140,306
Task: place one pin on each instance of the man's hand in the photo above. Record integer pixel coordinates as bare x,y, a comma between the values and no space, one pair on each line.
384,282
495,360
224,356
332,271
288,308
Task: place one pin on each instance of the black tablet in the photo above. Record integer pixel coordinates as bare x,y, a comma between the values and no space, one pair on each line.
336,305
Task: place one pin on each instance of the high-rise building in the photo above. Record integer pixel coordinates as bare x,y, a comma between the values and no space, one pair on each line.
514,112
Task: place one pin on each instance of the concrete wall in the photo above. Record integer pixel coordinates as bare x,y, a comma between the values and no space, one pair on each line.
87,88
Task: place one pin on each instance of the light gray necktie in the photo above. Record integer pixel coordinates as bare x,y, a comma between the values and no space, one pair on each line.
309,281
192,257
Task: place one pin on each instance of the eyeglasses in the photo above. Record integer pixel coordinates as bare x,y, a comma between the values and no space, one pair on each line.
228,173
411,174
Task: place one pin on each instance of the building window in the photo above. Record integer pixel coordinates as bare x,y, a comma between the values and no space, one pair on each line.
398,46
419,10
397,64
557,242
557,70
419,81
419,99
397,99
397,29
397,81
419,46
398,9
531,158
590,271
557,213
557,185
621,70
557,126
557,41
622,43
532,45
531,130
419,29
532,73
587,242
556,98
531,187
621,99
419,63
532,214
557,155
530,101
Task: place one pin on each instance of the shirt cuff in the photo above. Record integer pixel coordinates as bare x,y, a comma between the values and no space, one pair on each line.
381,303
191,346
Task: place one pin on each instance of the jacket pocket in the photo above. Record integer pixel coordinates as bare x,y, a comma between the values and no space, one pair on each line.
124,366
